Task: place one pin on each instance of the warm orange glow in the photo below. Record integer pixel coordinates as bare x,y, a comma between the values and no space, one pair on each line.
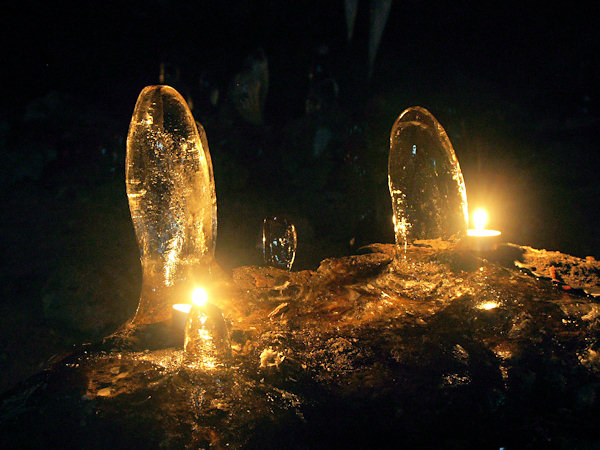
199,296
480,218
182,307
488,305
484,233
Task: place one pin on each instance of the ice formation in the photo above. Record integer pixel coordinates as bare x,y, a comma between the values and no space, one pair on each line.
172,199
279,242
207,342
429,199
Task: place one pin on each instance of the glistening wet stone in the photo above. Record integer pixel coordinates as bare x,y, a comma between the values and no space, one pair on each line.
439,349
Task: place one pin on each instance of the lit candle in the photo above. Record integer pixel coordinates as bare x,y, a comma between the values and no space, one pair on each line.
199,296
181,310
488,306
479,239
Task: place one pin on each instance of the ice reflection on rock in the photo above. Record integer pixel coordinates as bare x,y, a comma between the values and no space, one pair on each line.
429,198
171,195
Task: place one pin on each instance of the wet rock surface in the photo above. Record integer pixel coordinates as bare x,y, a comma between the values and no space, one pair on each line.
438,347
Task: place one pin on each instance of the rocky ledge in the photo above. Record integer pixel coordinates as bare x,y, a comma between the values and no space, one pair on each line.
437,347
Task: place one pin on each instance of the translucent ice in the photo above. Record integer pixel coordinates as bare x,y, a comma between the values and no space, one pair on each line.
207,341
429,199
279,242
172,199
211,182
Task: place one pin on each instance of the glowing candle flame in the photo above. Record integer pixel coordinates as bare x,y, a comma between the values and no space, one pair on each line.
480,218
199,296
182,307
488,305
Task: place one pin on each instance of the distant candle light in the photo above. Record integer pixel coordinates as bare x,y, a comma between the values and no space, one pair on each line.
488,305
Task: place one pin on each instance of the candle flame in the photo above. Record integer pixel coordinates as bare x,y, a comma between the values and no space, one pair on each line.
199,296
488,305
182,307
480,218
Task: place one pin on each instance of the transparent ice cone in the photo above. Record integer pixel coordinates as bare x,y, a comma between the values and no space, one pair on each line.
279,242
429,199
171,195
207,342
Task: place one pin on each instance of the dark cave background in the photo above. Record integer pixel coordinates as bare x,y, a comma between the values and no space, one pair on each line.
515,86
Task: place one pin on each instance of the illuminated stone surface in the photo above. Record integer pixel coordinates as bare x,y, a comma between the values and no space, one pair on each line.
172,199
429,198
438,350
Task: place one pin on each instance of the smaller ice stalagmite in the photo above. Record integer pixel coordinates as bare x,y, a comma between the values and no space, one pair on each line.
171,195
429,199
279,241
207,342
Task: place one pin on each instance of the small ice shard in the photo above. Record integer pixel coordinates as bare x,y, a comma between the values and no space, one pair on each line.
429,199
207,342
171,195
279,242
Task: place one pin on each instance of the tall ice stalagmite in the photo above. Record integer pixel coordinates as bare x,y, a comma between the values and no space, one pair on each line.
172,199
429,199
